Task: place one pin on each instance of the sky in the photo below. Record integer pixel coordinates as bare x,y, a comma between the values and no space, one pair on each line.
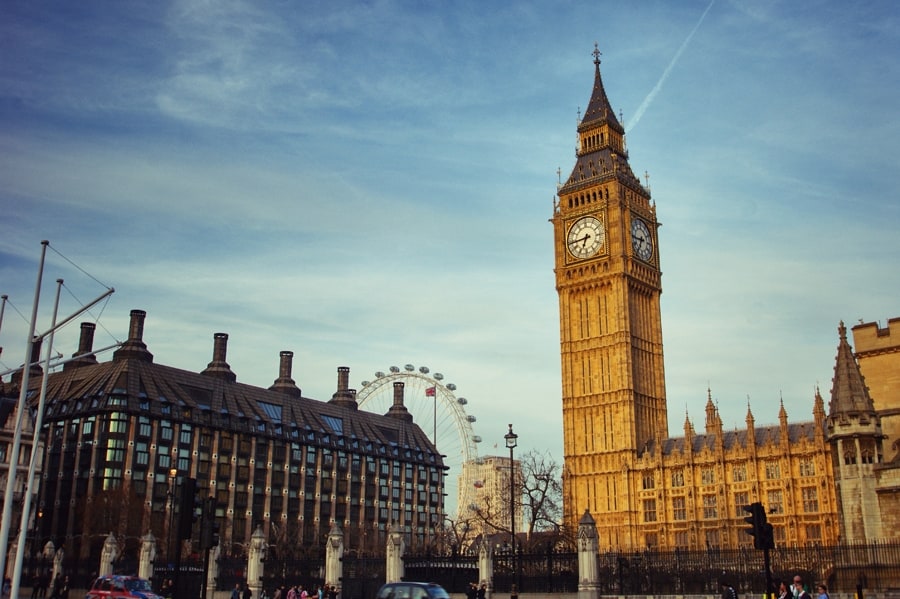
369,184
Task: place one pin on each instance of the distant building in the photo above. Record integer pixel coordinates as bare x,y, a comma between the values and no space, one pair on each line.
490,495
123,435
821,481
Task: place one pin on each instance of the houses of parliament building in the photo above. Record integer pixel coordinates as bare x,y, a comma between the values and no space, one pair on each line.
831,476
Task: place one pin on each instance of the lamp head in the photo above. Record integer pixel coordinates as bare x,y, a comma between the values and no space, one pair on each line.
511,438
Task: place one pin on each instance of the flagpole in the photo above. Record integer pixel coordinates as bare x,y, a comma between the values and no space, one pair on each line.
20,418
35,443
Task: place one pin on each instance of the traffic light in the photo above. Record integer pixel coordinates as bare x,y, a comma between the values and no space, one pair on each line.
760,529
189,508
209,528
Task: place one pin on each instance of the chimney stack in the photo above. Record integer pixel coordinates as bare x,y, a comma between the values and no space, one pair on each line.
134,347
84,357
219,368
398,410
284,383
34,365
344,396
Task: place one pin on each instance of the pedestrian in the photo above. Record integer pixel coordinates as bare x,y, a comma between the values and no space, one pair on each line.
822,591
798,590
728,591
332,592
236,591
783,591
248,594
482,591
64,591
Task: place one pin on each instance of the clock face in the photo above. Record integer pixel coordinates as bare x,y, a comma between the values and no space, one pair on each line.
641,241
585,237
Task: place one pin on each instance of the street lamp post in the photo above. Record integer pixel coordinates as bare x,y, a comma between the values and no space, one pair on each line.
511,442
170,545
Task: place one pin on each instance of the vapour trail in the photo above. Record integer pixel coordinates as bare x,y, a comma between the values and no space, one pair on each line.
653,92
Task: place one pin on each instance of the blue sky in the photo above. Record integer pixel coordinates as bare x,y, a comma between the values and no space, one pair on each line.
369,184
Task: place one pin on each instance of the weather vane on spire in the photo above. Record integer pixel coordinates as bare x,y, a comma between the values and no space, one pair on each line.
596,54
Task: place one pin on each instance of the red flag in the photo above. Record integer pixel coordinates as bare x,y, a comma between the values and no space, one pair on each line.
429,392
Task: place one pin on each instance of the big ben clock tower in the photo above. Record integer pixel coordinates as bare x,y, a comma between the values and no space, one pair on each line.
608,280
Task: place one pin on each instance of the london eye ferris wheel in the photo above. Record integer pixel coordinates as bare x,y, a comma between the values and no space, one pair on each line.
437,410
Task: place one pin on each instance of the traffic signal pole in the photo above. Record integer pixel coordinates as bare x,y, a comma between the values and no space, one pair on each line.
763,537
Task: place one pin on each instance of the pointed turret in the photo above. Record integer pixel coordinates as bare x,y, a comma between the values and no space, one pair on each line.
854,432
819,415
601,142
713,421
784,432
599,108
849,394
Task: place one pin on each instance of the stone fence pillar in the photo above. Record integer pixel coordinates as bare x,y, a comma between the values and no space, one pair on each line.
486,566
334,551
255,559
396,547
588,568
108,555
147,556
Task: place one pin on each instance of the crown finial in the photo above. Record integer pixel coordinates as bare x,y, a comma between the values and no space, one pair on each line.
596,54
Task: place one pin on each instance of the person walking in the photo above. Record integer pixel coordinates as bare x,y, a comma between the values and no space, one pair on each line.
799,591
783,591
728,591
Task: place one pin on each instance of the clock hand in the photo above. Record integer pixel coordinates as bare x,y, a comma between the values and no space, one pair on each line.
583,240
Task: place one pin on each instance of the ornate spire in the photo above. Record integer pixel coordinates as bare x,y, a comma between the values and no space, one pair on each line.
599,108
849,393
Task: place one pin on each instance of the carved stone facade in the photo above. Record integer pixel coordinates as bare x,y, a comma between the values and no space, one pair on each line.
822,480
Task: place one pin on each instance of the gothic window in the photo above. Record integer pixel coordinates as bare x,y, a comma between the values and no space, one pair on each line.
807,467
708,475
678,510
651,539
712,538
649,482
740,500
813,532
849,457
649,510
739,473
810,500
775,502
678,478
681,538
866,457
773,470
709,507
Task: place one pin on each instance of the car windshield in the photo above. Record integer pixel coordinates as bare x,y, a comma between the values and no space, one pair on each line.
138,584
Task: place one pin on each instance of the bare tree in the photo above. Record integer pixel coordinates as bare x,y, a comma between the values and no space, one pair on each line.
541,492
537,499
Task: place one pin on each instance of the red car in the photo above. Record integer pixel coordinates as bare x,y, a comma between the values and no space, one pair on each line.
115,586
